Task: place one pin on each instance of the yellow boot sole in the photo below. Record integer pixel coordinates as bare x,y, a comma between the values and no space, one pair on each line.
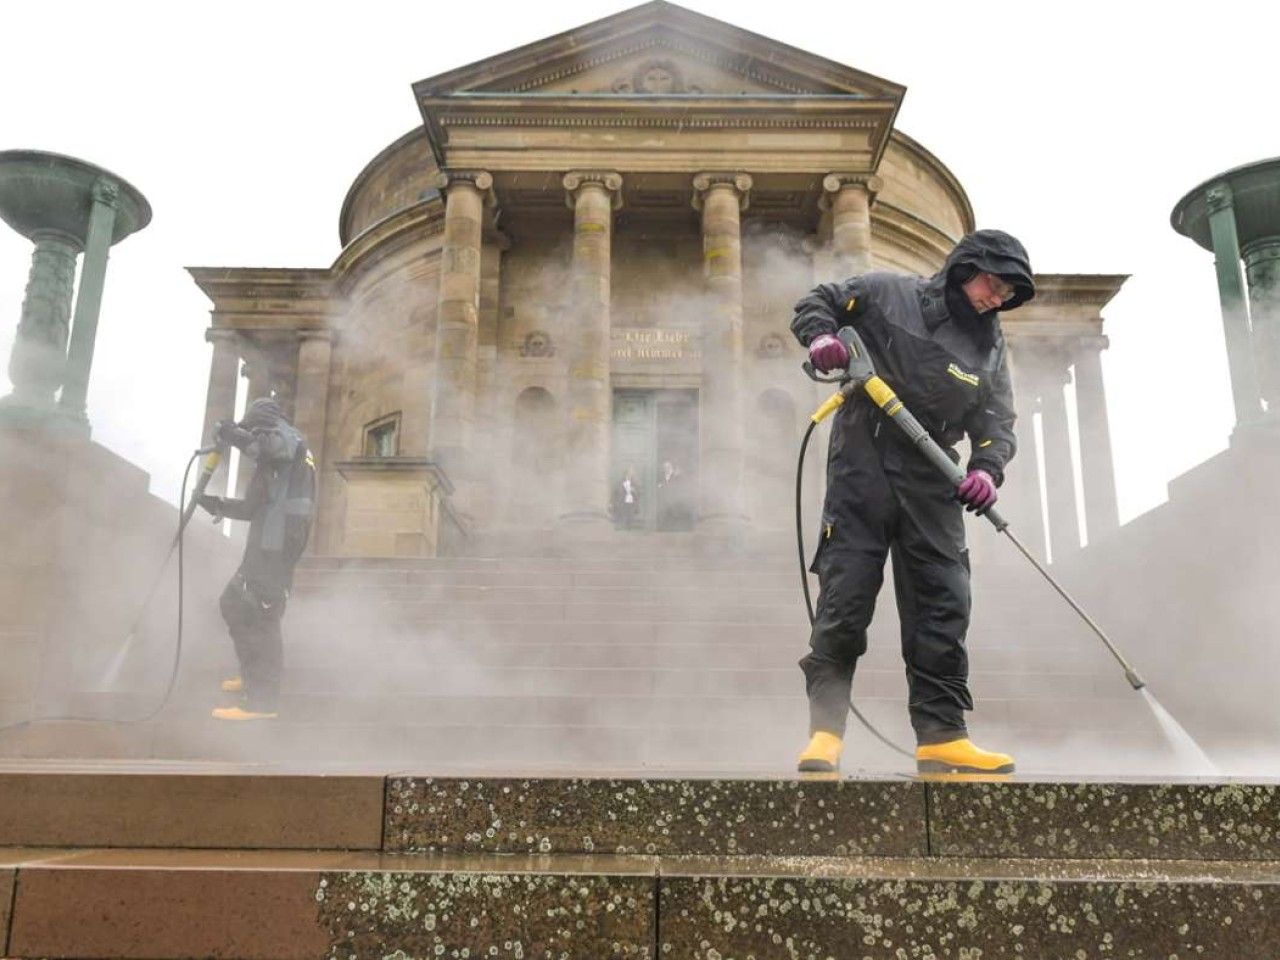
236,713
960,756
822,755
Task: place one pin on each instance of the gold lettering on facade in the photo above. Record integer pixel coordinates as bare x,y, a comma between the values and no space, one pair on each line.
654,343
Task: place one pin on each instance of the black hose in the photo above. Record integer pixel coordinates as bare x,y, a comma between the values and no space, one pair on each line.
177,650
804,583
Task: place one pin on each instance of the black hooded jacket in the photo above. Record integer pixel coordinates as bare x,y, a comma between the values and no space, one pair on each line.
944,360
278,502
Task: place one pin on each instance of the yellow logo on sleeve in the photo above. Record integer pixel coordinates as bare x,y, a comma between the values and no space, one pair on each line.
960,375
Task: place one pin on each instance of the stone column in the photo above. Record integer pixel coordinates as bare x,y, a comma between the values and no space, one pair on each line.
1051,377
1235,317
849,197
311,392
1262,268
467,194
38,360
1101,514
1020,495
594,196
721,199
487,416
93,275
220,401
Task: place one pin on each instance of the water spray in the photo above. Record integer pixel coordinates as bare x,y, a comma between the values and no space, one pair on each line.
860,375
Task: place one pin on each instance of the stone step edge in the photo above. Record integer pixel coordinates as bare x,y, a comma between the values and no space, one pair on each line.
930,868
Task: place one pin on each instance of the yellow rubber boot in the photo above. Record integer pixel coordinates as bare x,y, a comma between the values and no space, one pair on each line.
236,713
822,755
232,685
960,756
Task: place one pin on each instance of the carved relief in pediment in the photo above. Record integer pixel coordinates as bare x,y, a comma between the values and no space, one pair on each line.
658,68
655,77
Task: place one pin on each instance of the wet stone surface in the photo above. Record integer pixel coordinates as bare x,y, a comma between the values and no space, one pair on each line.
477,916
709,918
687,816
1157,821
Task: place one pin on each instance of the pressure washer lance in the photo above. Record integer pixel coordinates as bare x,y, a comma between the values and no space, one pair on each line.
861,375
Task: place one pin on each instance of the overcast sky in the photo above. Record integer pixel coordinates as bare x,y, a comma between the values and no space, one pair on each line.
1076,127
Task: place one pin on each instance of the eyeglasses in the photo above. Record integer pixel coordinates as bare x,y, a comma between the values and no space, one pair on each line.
999,288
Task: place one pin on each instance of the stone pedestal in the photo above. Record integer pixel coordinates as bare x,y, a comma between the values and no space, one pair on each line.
395,507
594,196
720,197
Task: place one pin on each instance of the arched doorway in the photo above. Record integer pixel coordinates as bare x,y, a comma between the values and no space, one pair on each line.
532,476
771,455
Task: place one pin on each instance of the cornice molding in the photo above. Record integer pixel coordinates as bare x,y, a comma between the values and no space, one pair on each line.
221,284
666,112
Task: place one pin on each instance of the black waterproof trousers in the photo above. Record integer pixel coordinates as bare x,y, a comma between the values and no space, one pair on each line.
883,497
253,605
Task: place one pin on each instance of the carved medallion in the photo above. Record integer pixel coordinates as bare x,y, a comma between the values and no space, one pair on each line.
538,344
773,346
657,78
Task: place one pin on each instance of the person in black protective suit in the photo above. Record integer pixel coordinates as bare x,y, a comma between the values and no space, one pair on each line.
937,343
278,505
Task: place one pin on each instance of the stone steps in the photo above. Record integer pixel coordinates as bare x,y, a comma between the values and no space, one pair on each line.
186,862
563,663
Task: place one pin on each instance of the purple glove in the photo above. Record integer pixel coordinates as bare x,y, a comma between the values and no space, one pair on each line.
826,353
977,491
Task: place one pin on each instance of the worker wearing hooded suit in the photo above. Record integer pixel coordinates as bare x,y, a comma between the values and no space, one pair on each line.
278,506
937,343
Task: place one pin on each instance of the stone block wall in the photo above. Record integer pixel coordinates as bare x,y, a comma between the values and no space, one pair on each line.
85,545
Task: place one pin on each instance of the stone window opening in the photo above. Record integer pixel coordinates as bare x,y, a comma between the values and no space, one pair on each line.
382,436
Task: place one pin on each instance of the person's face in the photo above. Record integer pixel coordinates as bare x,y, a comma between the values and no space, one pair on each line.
986,292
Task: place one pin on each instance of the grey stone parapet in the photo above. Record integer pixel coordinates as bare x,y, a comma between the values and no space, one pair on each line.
153,863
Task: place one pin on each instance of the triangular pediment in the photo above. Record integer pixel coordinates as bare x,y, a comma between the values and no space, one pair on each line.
659,49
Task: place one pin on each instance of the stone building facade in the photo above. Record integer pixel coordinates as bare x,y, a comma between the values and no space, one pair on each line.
583,261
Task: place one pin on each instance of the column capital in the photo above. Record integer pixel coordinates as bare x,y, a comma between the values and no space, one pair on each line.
480,179
833,183
220,335
1219,197
107,191
314,333
608,180
740,182
1090,343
